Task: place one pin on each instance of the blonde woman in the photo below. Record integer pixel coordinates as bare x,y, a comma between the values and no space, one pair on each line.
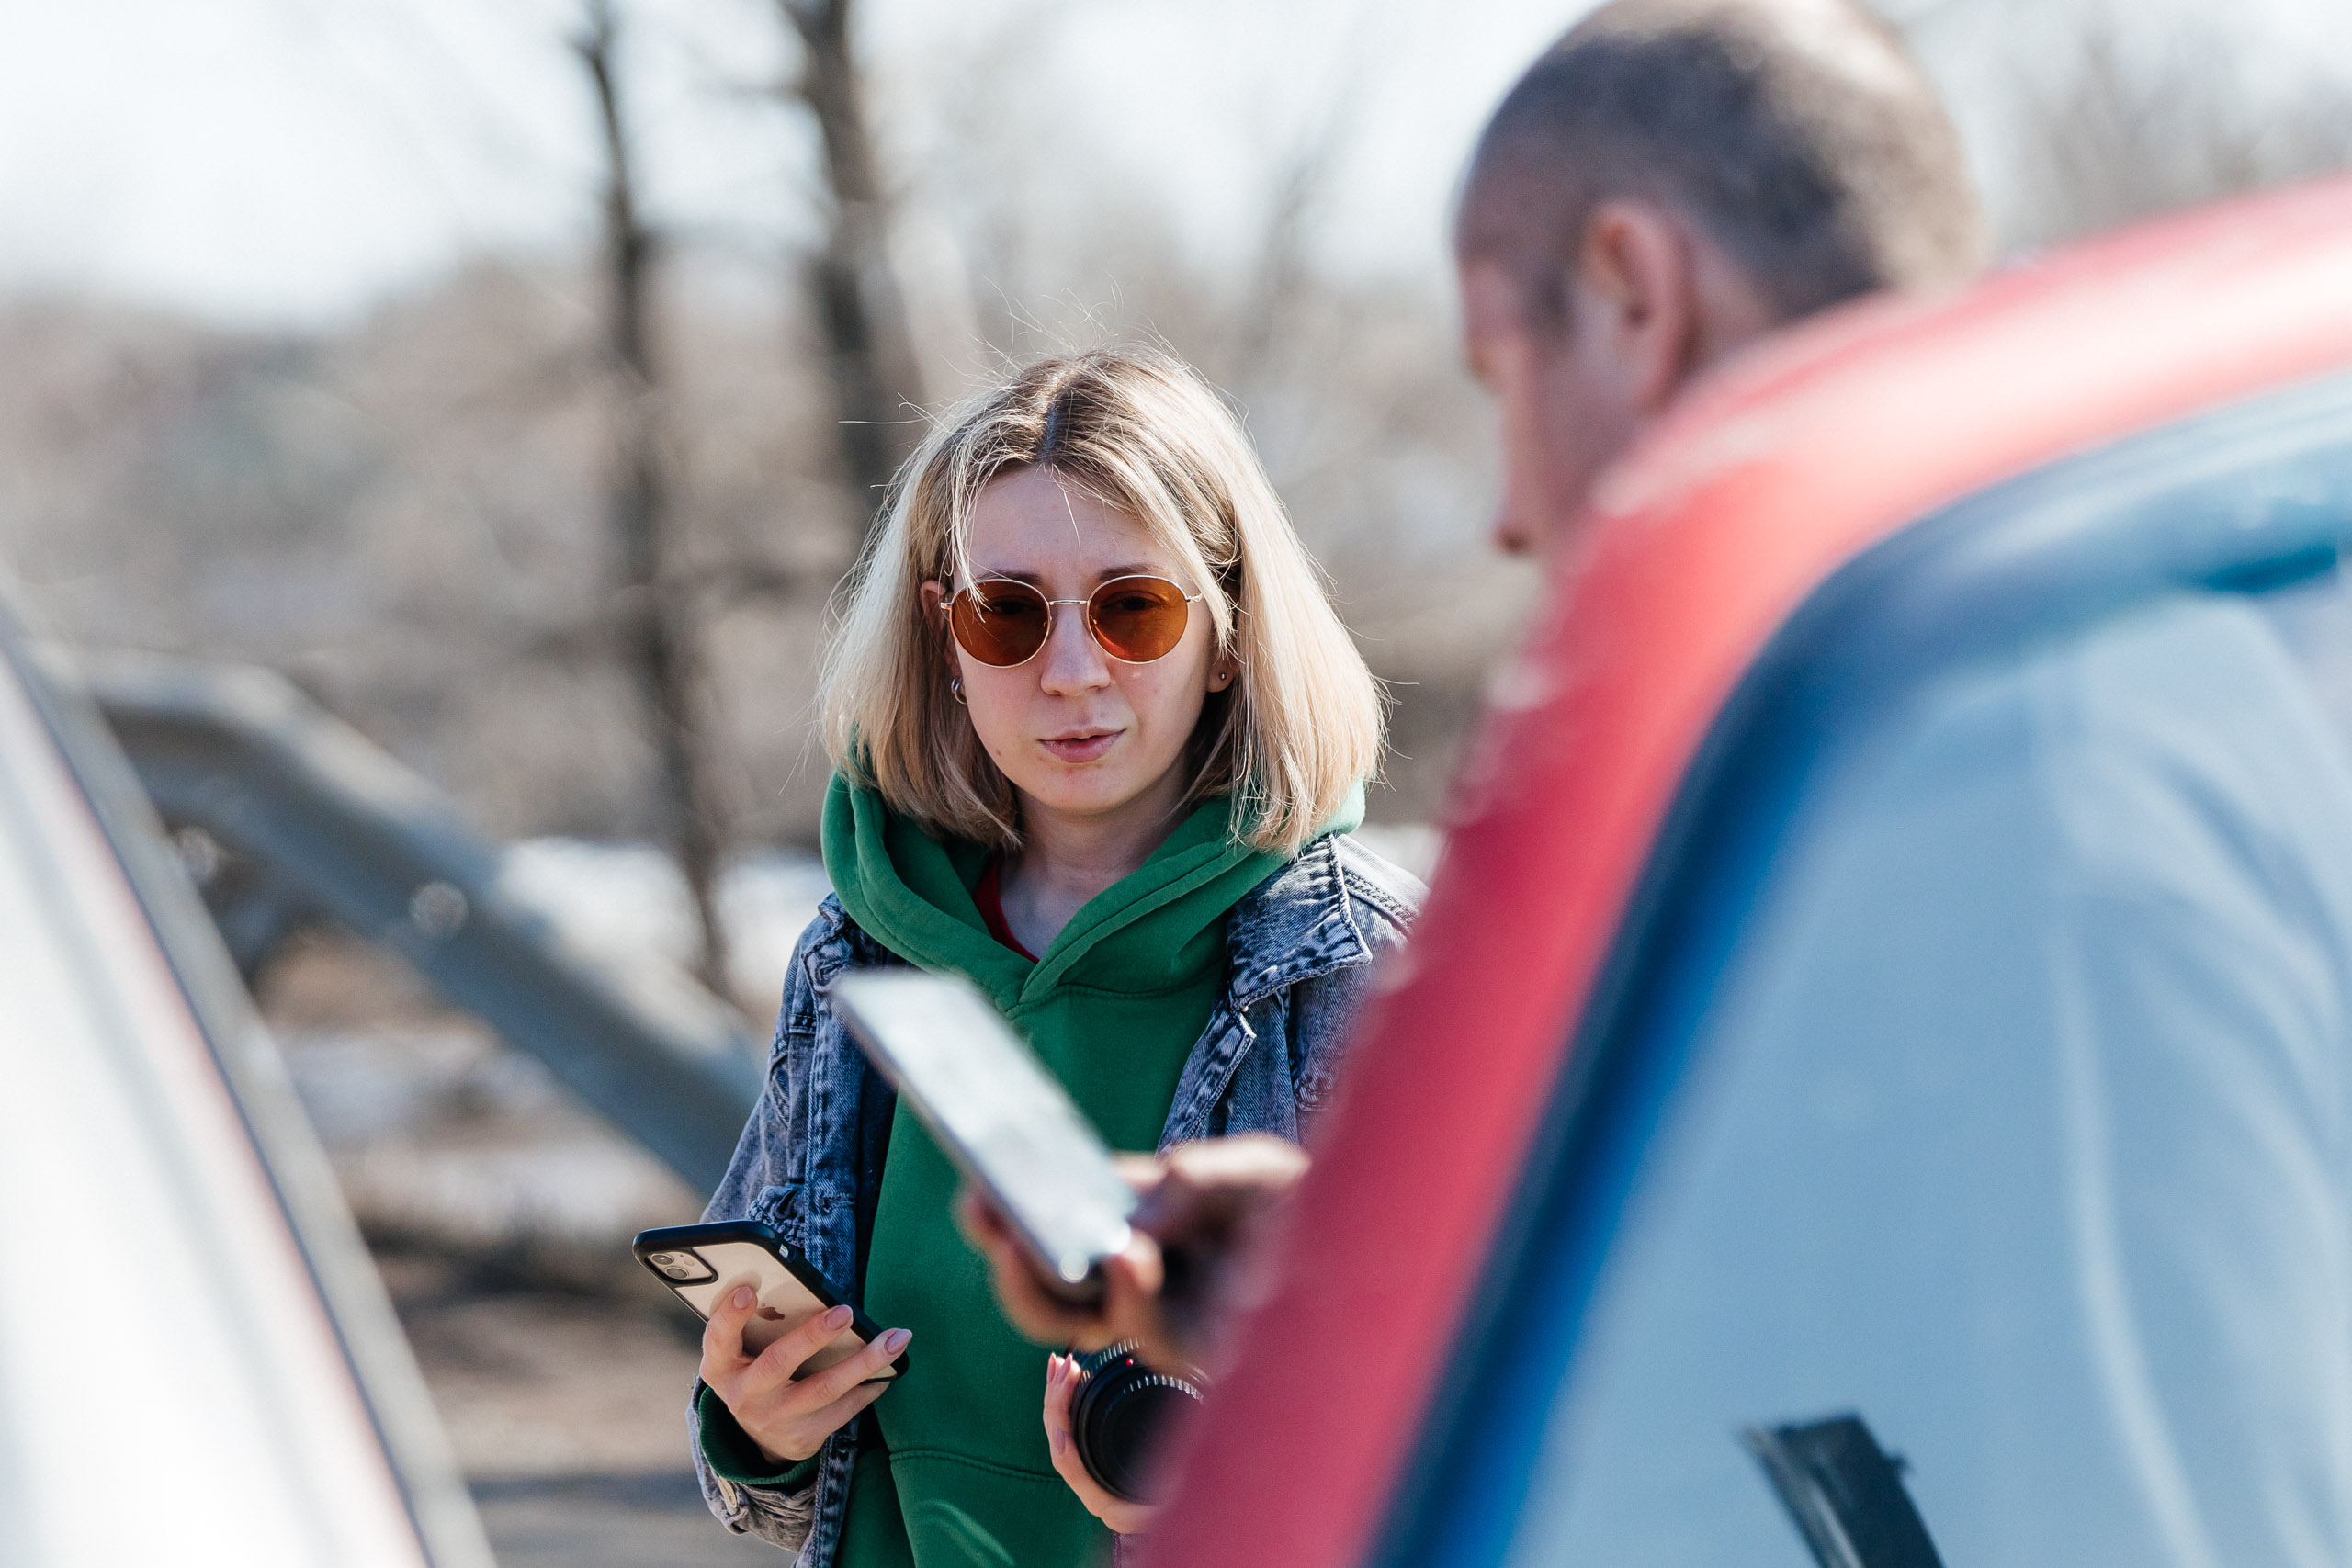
1099,741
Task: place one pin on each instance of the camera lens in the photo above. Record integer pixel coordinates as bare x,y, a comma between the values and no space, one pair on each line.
1120,1409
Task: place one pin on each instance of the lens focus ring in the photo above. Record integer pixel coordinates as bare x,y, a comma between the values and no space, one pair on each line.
1116,1416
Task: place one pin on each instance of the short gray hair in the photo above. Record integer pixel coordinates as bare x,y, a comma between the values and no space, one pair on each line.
1800,134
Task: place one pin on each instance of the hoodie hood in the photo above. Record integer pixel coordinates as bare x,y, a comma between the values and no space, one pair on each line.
1154,929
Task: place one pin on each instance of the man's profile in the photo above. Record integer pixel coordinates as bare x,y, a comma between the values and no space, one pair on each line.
1670,180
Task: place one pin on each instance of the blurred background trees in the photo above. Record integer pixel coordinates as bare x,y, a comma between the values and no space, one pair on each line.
560,529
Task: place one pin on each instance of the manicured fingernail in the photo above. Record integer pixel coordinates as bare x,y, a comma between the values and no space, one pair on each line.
835,1317
896,1340
741,1298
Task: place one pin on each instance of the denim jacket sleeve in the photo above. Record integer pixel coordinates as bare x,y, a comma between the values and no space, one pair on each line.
1326,1010
759,1182
1322,1015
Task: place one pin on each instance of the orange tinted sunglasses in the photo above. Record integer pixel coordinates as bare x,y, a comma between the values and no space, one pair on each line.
1002,622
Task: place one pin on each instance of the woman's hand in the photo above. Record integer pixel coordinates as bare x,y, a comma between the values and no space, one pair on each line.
789,1418
1123,1518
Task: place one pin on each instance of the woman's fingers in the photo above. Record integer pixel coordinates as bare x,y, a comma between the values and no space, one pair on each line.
1061,1386
780,1361
819,1389
789,1417
836,1416
1061,1383
722,1335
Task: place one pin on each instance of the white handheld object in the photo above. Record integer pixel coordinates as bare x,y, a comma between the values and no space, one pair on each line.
1002,1118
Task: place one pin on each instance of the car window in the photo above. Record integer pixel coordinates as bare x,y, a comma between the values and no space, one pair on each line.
2004,1213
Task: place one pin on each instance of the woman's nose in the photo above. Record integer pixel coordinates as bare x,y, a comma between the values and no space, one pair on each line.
1073,660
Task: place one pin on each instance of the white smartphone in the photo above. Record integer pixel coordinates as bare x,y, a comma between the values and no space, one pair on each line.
1003,1120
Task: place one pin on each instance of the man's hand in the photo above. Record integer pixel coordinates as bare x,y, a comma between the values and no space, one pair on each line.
790,1418
1131,1281
1182,1274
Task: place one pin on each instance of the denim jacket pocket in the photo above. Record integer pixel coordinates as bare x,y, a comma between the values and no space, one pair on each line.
780,1209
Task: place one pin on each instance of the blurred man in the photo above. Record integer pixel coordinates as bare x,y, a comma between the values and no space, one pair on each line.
1669,182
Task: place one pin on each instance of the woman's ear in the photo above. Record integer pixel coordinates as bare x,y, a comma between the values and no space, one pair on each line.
934,601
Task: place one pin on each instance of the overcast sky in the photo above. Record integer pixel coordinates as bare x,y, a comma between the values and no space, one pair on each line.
291,161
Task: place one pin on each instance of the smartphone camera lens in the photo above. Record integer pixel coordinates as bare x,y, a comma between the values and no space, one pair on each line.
678,1265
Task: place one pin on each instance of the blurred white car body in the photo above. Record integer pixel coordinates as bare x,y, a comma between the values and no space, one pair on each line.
196,1362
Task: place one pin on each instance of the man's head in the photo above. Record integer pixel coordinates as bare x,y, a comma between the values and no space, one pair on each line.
1670,181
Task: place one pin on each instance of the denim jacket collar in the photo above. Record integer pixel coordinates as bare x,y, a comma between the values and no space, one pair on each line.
1296,926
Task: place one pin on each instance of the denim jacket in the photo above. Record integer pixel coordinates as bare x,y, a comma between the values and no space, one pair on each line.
1299,952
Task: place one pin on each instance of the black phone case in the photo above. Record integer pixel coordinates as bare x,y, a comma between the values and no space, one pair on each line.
738,1233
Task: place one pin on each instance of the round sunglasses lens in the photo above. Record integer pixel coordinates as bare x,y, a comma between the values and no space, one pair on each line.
1140,619
999,622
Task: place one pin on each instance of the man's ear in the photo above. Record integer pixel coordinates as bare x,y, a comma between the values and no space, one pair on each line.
1637,296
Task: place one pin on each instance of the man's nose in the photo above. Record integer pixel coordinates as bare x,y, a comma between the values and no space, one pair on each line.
1073,660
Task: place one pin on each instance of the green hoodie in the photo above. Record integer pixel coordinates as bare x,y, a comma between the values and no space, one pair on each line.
1114,1008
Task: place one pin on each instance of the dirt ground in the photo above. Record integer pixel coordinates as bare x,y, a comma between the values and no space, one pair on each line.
567,1407
499,1213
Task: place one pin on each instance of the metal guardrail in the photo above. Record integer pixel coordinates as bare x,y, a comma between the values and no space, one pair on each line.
333,824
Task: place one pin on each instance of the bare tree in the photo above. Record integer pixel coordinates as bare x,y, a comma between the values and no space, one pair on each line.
2112,115
2128,133
657,636
869,350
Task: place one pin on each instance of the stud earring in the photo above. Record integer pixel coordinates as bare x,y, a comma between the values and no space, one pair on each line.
955,689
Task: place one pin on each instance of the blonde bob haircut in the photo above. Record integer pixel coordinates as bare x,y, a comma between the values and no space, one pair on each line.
1143,433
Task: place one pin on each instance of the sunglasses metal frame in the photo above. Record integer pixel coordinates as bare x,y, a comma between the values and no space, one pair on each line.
947,609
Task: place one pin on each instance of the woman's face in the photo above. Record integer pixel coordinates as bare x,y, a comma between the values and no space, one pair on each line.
1080,734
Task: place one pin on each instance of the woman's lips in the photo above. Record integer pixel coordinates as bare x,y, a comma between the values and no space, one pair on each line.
1082,747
